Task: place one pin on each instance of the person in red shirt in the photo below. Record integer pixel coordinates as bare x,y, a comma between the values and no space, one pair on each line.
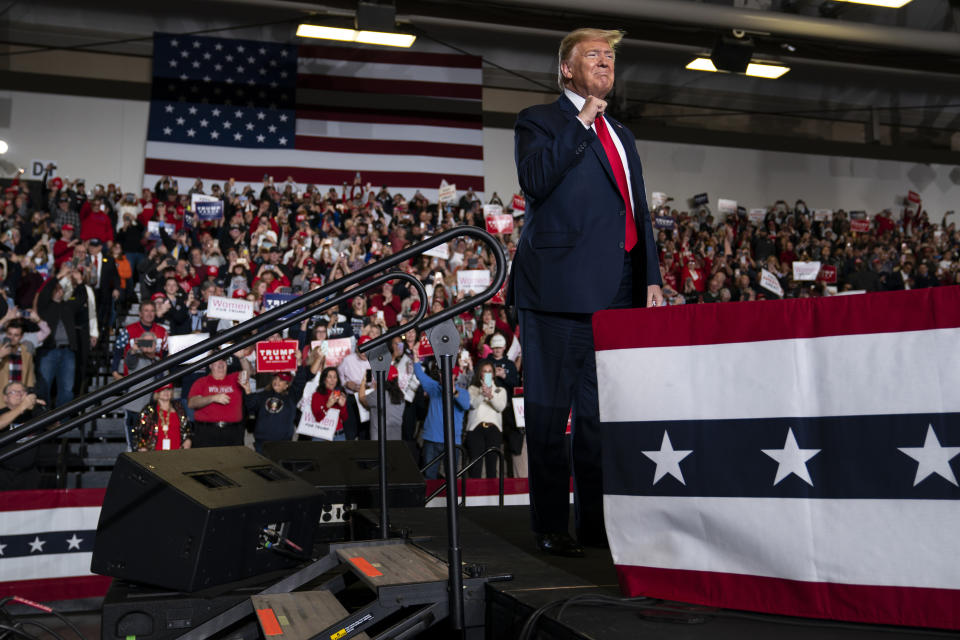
63,248
385,301
217,401
330,395
95,223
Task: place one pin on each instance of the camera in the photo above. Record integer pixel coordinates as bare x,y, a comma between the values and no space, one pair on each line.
144,343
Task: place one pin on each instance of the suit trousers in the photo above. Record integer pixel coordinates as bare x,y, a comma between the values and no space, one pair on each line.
560,373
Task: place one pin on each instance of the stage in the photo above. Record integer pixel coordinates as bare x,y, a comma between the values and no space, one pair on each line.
499,539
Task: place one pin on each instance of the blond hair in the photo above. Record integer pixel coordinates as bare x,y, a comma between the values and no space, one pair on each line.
572,39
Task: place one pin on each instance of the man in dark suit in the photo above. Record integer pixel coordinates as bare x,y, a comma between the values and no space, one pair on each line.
587,245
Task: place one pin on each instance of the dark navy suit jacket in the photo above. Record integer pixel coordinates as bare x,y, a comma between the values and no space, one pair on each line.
570,254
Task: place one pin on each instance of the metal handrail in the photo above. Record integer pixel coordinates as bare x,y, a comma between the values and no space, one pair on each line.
459,475
273,320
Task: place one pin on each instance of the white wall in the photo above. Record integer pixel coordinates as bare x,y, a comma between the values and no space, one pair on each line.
99,139
103,141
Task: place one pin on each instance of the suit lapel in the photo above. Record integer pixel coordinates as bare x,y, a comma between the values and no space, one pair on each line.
570,111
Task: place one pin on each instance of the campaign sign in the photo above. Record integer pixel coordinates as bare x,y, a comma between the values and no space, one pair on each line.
756,215
806,270
913,196
664,222
519,204
858,215
229,308
273,300
700,198
473,280
441,251
207,210
658,199
276,356
860,226
828,274
518,412
448,192
334,351
37,168
501,296
500,223
726,206
426,349
822,215
153,228
769,282
492,210
741,211
180,342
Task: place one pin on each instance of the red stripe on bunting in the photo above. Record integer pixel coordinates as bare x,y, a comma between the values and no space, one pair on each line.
49,589
911,606
50,499
729,322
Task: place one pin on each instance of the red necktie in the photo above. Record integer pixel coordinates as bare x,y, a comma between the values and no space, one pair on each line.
614,157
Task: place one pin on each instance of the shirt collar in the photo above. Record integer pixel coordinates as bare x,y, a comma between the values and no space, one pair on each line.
577,100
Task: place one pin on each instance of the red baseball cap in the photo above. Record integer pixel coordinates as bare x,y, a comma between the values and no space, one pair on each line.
240,293
67,227
286,377
363,340
159,295
316,280
212,270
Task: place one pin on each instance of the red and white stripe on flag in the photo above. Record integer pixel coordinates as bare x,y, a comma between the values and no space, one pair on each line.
796,457
404,119
46,543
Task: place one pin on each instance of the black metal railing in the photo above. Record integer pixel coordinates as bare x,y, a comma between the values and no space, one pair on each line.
483,456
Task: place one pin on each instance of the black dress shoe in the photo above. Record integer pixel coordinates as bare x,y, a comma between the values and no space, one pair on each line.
559,544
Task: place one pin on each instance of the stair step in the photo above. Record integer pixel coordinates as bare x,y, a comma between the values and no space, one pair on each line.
88,480
393,564
300,615
103,454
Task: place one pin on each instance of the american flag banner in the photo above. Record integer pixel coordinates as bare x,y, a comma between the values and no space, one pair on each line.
46,544
223,108
795,457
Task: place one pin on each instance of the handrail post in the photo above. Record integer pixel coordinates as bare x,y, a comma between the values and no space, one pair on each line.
380,359
445,341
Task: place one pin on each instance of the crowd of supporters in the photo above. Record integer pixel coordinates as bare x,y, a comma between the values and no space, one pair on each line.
74,259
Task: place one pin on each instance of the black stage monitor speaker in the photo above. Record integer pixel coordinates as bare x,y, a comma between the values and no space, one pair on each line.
196,518
349,472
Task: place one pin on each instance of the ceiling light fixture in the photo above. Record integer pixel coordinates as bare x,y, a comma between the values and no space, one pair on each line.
891,4
373,24
754,69
352,35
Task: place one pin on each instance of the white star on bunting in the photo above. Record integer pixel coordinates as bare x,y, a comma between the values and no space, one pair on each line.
667,460
792,459
74,542
37,544
932,458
